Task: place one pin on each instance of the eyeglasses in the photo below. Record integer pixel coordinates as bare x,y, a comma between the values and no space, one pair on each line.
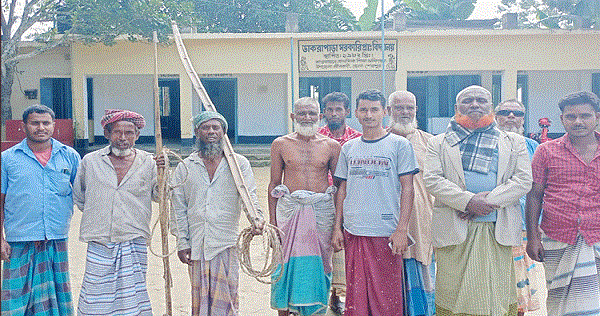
507,113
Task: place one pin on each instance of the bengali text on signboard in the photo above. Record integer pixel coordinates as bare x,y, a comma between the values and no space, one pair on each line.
339,55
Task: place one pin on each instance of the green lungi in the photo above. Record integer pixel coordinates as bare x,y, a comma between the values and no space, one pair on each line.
477,276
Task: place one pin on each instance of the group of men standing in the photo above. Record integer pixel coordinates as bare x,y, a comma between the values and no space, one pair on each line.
389,197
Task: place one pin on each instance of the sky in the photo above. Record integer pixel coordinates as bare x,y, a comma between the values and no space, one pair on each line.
484,9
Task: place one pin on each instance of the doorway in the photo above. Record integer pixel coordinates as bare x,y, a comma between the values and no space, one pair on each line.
168,98
223,94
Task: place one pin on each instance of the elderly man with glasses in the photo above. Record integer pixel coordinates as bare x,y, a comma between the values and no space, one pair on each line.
510,117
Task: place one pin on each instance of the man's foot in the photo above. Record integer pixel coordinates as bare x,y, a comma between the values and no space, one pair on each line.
336,305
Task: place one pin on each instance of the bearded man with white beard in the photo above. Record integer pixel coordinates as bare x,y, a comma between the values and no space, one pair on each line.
302,207
114,187
419,263
510,117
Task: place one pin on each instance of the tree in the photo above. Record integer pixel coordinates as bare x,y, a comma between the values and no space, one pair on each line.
429,10
565,14
87,20
260,16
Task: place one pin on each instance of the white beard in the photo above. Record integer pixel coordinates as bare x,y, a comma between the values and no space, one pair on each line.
405,129
518,130
307,130
121,152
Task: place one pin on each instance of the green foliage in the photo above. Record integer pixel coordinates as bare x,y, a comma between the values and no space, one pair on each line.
555,14
368,16
259,16
439,9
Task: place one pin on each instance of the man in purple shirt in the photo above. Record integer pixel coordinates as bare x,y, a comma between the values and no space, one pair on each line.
566,176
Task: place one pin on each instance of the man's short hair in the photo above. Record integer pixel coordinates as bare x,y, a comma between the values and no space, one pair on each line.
371,95
306,101
337,97
581,97
501,104
39,109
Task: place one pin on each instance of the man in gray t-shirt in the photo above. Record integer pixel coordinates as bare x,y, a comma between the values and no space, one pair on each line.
375,199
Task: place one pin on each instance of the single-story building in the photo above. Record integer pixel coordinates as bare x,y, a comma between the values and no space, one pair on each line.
253,79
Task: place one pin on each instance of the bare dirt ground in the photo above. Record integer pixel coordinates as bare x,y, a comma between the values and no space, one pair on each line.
254,296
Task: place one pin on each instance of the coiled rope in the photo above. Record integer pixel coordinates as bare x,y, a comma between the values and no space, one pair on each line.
272,249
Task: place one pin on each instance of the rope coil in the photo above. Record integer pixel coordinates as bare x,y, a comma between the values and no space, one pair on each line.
272,249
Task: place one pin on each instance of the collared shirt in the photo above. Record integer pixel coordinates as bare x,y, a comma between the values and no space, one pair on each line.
39,200
114,212
349,134
572,191
206,213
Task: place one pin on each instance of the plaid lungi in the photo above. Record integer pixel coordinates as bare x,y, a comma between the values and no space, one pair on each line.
215,284
35,281
114,282
475,277
572,276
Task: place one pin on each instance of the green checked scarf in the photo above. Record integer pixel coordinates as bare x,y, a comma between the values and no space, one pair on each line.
477,147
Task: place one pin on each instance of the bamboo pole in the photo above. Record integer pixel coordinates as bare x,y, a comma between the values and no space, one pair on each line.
161,185
250,208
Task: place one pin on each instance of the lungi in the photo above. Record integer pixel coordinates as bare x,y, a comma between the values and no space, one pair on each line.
35,281
306,219
572,275
338,275
477,276
114,282
215,284
529,275
373,277
419,287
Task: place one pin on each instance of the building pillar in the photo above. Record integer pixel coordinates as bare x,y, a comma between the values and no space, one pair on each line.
509,84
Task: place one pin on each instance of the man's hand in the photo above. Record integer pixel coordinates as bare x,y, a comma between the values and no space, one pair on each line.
399,241
466,216
478,205
185,255
160,160
258,226
5,249
337,240
535,250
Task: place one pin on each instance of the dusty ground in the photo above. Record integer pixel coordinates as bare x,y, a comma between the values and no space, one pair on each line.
254,296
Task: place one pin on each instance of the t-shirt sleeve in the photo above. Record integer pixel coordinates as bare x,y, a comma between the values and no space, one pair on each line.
538,165
407,161
341,170
4,175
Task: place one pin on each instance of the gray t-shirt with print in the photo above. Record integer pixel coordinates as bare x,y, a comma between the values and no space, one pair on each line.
371,169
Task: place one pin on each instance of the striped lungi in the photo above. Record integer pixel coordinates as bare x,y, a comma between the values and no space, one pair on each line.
215,284
35,281
338,274
572,276
114,282
529,275
475,277
419,285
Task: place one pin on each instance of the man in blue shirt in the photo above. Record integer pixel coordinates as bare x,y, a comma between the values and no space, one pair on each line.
36,204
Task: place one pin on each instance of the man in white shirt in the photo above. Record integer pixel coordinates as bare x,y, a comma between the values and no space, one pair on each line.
113,188
206,212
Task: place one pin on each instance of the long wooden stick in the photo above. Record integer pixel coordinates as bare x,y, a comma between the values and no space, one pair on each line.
251,212
162,204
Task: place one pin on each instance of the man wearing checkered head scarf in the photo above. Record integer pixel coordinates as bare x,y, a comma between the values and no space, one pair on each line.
114,189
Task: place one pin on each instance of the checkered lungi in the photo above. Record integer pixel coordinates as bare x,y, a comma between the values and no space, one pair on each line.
35,281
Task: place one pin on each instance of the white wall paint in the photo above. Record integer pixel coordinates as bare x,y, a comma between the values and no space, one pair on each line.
128,92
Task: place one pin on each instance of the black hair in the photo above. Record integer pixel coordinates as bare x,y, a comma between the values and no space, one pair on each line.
336,97
372,95
581,97
39,109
